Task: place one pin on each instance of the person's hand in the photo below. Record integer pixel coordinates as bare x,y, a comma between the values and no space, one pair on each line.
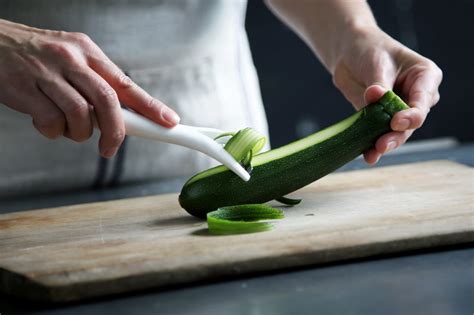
372,62
58,78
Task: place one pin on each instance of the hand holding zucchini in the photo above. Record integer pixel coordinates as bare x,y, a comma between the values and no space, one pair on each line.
283,170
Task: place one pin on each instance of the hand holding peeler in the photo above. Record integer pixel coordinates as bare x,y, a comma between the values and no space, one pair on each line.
196,138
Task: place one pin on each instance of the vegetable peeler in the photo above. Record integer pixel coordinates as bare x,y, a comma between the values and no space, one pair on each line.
196,138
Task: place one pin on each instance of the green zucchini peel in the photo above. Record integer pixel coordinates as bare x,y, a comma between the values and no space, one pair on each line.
288,201
242,219
243,145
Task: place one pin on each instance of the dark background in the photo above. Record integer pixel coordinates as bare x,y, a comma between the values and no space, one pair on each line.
298,93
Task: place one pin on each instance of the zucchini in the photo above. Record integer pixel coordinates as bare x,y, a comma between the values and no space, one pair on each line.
281,171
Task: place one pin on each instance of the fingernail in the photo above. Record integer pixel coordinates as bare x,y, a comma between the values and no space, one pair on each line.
403,124
390,146
170,116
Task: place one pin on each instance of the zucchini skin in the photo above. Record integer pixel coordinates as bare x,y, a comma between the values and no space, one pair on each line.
279,177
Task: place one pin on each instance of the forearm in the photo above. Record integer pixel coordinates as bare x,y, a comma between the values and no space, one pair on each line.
325,25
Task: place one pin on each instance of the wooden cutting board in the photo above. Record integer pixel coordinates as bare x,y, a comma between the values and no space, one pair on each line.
75,252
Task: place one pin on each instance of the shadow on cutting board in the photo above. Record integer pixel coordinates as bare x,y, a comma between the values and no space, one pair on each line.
175,222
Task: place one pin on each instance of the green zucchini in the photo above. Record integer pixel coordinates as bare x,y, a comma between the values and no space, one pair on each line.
281,171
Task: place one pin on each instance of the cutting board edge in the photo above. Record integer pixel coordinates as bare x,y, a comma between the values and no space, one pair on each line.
19,285
36,291
88,204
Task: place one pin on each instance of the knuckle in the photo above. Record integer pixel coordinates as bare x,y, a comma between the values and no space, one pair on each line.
60,50
77,107
57,34
431,65
436,99
124,81
116,137
433,68
438,72
47,81
153,104
51,119
83,135
81,38
50,124
108,94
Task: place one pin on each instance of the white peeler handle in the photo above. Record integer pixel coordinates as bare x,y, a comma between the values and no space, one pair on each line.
187,136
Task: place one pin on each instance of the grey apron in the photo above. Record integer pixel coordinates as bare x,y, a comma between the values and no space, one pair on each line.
191,54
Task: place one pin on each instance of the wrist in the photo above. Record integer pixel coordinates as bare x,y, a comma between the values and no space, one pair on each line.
342,40
343,23
354,32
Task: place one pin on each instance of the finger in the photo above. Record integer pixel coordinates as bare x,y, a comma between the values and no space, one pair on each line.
26,97
391,141
423,92
372,156
106,106
73,105
373,93
408,119
422,83
385,144
48,119
133,95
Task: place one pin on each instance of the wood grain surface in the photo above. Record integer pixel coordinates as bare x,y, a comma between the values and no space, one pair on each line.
75,252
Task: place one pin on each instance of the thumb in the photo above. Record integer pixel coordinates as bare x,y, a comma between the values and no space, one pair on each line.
373,93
